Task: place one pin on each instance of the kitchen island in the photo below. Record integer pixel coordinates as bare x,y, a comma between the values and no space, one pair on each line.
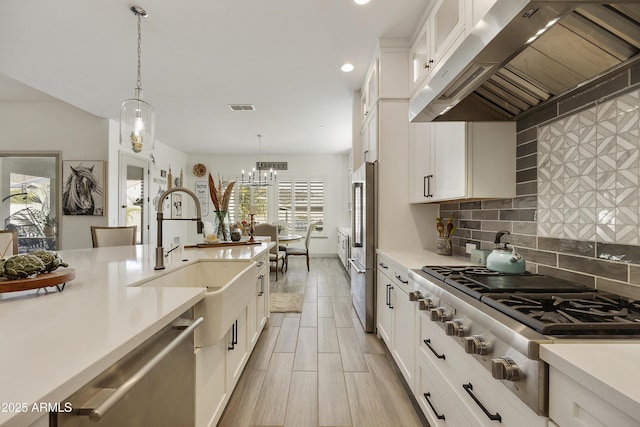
53,343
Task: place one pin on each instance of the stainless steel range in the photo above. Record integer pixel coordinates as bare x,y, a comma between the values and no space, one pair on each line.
501,320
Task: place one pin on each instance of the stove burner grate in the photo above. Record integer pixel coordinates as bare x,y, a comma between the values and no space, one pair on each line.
584,313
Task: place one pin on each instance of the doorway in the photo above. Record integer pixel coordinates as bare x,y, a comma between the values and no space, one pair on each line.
133,195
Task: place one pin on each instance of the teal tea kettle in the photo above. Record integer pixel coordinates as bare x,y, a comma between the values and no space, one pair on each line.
504,259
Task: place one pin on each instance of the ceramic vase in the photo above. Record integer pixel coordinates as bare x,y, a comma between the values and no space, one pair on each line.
443,246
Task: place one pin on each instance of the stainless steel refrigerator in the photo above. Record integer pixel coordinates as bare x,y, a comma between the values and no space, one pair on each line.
364,241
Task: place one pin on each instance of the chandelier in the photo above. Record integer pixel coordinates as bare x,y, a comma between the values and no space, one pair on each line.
137,117
256,178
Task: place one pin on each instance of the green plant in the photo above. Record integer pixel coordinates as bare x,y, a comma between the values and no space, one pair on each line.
49,221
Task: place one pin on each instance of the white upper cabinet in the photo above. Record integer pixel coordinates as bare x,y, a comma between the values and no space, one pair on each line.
461,160
442,31
476,10
387,80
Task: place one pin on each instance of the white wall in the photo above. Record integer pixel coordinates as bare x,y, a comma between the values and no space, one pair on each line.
56,126
78,135
333,169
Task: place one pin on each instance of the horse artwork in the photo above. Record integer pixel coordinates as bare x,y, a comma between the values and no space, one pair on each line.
83,192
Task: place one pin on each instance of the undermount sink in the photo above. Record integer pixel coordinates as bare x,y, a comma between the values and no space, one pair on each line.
230,287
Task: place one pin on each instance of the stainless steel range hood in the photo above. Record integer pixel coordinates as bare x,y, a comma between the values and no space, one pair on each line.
525,53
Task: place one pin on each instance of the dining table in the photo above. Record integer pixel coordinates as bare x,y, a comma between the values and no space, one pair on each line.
289,238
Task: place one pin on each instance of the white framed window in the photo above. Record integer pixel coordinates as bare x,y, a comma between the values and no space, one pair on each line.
300,203
242,197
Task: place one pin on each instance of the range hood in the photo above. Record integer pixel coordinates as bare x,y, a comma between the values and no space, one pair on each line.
524,53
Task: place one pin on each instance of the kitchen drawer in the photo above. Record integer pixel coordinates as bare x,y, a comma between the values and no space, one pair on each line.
459,368
385,264
398,273
571,404
401,277
436,404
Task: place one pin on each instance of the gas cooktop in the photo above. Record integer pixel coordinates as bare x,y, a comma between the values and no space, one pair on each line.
549,305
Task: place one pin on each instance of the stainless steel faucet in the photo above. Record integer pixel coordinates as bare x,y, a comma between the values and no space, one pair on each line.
160,219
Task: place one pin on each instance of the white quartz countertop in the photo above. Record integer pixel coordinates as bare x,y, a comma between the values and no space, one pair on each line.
53,343
610,370
420,258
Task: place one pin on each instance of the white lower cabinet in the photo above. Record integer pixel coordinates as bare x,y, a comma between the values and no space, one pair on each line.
435,402
258,309
571,404
219,366
482,400
403,334
211,383
384,307
237,351
395,315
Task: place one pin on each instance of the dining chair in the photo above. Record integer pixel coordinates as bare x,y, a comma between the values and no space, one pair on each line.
300,251
8,243
275,254
283,228
113,236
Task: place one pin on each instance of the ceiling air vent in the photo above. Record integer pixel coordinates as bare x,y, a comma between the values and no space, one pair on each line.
242,107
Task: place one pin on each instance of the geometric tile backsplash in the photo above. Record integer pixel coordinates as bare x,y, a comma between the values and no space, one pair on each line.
588,174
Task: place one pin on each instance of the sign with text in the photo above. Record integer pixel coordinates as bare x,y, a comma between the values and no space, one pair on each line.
276,166
202,193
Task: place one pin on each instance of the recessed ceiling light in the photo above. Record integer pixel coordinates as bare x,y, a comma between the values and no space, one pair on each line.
361,1
347,68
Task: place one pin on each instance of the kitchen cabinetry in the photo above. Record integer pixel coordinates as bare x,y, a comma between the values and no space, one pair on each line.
442,31
259,307
436,404
571,404
219,366
344,248
369,137
478,397
387,79
395,314
384,304
461,160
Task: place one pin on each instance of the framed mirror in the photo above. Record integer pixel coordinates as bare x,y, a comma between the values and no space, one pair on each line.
29,189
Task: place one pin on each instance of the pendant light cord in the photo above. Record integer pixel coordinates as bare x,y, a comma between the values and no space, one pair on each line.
139,80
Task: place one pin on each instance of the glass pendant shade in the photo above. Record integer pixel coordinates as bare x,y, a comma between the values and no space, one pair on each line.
137,124
137,117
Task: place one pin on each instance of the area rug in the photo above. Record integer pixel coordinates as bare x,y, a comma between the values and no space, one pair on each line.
286,303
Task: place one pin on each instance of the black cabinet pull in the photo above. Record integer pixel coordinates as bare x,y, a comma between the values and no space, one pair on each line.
387,296
399,277
428,344
389,293
469,389
426,192
383,265
438,416
234,336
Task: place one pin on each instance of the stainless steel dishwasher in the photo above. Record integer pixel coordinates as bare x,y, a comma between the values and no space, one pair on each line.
154,385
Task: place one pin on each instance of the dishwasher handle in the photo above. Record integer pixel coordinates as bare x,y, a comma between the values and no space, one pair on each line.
97,413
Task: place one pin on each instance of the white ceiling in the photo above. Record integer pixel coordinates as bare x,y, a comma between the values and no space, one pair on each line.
198,56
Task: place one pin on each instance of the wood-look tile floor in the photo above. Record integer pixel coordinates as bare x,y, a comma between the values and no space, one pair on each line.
319,367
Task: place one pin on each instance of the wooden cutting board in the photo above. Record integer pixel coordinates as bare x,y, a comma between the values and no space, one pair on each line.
42,280
219,245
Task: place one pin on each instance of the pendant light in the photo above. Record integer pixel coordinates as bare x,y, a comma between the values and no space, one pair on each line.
256,178
137,117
